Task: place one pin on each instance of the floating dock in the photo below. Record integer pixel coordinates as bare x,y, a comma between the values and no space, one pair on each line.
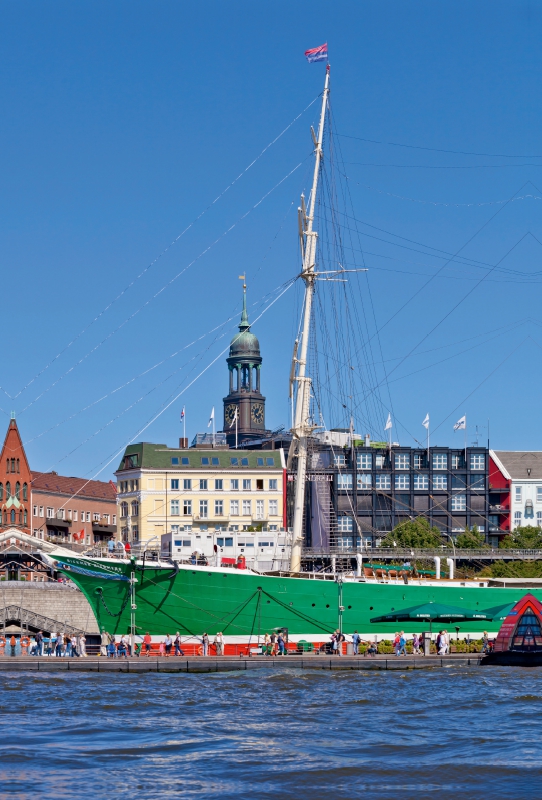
236,664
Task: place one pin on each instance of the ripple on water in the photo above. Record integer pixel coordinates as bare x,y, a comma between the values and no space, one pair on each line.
263,733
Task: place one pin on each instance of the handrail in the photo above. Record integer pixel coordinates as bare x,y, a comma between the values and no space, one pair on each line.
408,553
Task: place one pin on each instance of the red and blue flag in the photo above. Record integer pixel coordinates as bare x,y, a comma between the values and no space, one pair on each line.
317,53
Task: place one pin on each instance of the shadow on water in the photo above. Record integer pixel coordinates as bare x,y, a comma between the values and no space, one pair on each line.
293,734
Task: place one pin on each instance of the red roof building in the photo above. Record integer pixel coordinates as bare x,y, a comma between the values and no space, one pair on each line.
15,482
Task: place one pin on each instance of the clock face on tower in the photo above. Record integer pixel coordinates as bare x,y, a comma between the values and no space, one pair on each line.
256,412
229,413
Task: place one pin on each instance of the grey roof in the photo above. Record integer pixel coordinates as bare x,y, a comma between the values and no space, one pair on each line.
518,462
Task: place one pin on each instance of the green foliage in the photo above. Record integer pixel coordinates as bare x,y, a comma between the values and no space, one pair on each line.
512,569
526,538
471,539
414,533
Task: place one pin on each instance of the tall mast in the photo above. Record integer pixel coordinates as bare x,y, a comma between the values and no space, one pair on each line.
302,428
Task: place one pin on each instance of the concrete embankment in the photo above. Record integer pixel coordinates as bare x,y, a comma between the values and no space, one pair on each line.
228,664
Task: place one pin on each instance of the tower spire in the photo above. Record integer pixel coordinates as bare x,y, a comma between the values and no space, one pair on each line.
244,324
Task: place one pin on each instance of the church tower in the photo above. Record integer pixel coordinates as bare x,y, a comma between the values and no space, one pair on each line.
244,398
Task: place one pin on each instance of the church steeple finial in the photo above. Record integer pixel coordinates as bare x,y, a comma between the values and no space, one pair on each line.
244,325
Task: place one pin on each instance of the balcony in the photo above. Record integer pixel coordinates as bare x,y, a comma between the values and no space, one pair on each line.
58,522
499,508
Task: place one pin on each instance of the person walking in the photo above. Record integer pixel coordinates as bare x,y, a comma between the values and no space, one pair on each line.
13,644
178,649
104,642
111,547
168,642
266,645
402,644
281,644
219,643
205,643
396,644
59,646
334,643
485,642
39,643
147,643
416,645
112,648
273,644
356,638
83,645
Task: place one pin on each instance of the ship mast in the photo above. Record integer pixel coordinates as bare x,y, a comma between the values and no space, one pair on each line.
302,428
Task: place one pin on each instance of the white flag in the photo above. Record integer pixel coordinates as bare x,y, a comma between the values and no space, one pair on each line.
388,424
211,418
461,424
232,423
425,423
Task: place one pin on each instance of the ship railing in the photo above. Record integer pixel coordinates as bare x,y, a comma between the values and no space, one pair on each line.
408,553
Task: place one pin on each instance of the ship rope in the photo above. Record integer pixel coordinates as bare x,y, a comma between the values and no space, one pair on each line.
299,614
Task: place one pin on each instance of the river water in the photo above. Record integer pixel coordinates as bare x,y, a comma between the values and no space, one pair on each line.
260,734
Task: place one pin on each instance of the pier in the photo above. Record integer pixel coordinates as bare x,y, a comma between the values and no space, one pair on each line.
236,664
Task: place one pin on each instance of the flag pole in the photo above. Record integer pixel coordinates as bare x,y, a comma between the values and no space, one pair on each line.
236,418
184,425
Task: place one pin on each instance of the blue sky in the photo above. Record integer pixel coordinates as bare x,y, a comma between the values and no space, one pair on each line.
122,122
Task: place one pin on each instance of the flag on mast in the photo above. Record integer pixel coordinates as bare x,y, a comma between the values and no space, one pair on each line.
461,424
317,54
425,423
388,424
234,420
211,418
182,414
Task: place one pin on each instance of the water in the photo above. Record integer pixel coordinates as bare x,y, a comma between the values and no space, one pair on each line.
261,734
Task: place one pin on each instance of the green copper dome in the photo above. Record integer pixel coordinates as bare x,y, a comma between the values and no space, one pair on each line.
244,343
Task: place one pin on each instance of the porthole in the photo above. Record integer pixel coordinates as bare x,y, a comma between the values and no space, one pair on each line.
370,608
327,606
313,605
349,606
269,601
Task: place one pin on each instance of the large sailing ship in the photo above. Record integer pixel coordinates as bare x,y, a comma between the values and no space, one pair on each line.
136,595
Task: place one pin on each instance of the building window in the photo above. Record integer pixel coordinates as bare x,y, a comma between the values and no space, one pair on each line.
402,461
203,509
8,490
365,460
234,462
106,518
365,481
244,462
477,461
459,502
270,462
205,461
539,518
174,508
215,462
340,460
50,512
273,508
187,508
12,518
187,484
247,484
383,482
175,462
380,461
123,510
458,461
18,490
273,485
185,461
174,483
259,462
539,494
517,519
1,491
259,509
440,482
25,491
74,515
234,485
419,460
518,494
421,483
41,511
477,483
345,524
234,508
402,482
203,485
247,508
219,508
219,485
95,516
345,482
440,461
134,508
35,511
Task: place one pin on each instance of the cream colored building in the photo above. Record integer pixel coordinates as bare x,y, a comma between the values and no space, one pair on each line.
198,491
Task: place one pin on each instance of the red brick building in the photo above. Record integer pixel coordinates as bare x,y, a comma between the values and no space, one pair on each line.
15,482
52,506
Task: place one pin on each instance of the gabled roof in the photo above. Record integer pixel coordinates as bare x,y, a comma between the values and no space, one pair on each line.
515,464
58,484
13,446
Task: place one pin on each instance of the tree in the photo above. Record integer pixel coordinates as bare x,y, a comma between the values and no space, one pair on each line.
526,538
413,533
471,539
512,569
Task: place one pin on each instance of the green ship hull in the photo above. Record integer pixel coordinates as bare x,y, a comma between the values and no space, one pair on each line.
242,604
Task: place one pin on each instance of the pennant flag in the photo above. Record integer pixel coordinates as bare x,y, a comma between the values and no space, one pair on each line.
317,53
461,424
388,424
182,414
211,418
425,423
232,423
